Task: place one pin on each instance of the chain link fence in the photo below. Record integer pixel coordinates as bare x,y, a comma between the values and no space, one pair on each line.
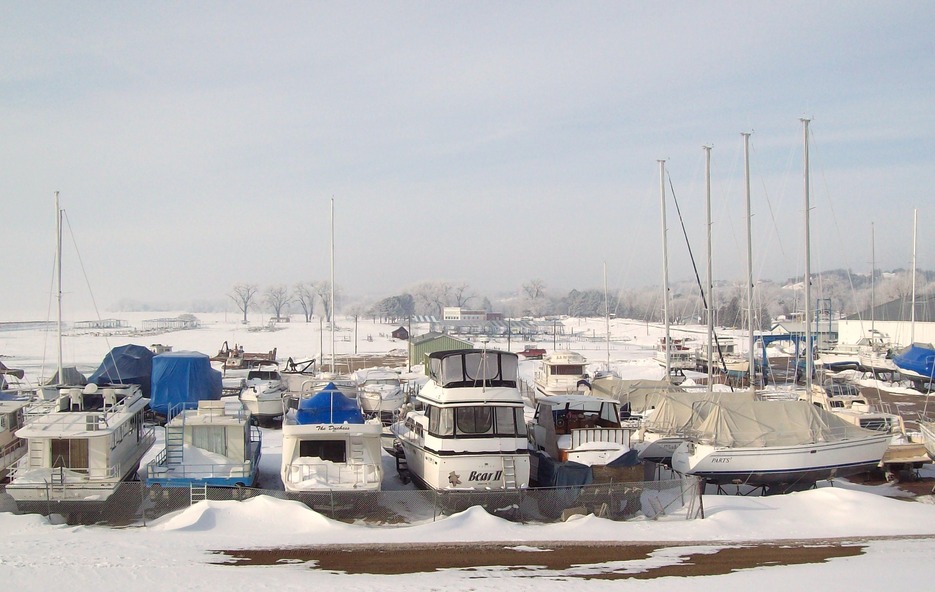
134,503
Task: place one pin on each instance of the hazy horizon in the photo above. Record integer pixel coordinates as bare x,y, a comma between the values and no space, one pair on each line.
198,146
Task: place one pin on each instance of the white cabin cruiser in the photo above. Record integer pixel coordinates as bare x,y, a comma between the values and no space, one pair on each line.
575,428
262,393
381,391
82,450
327,444
471,430
561,373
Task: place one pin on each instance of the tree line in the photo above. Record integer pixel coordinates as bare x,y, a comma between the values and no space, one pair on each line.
839,291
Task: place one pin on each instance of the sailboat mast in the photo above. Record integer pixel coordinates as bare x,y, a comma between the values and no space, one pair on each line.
665,266
58,280
746,168
332,287
808,270
912,307
873,270
710,278
607,316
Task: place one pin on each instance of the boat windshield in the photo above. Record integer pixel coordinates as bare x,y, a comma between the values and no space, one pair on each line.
474,368
479,420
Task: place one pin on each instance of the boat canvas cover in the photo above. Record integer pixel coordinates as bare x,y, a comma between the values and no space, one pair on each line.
328,406
635,396
71,376
758,424
181,379
673,413
454,368
126,364
918,358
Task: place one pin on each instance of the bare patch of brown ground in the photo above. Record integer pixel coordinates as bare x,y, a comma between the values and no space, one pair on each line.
589,560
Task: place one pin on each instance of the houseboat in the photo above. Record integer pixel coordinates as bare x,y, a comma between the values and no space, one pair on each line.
81,451
12,447
216,445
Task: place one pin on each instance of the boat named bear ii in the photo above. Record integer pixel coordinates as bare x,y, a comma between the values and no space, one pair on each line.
470,432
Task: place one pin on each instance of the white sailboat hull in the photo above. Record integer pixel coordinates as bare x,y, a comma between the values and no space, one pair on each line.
775,465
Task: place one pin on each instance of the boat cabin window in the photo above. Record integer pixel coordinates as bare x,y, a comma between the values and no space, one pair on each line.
567,370
210,438
70,453
474,421
567,419
263,375
331,450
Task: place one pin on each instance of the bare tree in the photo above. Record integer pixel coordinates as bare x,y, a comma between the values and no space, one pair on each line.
323,289
243,295
305,297
277,299
433,296
534,289
461,295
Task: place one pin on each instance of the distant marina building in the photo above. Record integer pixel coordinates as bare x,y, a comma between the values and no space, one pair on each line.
100,324
893,321
456,313
174,324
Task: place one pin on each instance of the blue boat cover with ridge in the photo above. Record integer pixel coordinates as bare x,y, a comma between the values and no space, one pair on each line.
181,379
918,358
328,405
126,364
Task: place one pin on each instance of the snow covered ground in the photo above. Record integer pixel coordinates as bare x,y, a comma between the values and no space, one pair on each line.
176,551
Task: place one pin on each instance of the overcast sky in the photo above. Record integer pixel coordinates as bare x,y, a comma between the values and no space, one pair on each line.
197,145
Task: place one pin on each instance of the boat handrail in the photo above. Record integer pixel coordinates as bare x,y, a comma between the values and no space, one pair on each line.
334,473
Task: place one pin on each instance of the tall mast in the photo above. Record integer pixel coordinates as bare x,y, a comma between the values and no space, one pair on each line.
58,281
746,168
912,307
873,269
607,316
710,279
808,270
665,266
332,287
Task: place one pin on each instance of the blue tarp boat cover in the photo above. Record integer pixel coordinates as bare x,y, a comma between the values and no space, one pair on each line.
328,405
918,358
127,364
181,379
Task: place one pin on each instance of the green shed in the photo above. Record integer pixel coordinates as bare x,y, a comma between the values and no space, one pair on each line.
423,345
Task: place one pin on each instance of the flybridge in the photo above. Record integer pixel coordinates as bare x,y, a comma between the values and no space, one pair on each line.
474,367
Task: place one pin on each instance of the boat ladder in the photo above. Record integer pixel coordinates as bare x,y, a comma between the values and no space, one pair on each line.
36,452
197,493
175,445
402,466
357,455
509,472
